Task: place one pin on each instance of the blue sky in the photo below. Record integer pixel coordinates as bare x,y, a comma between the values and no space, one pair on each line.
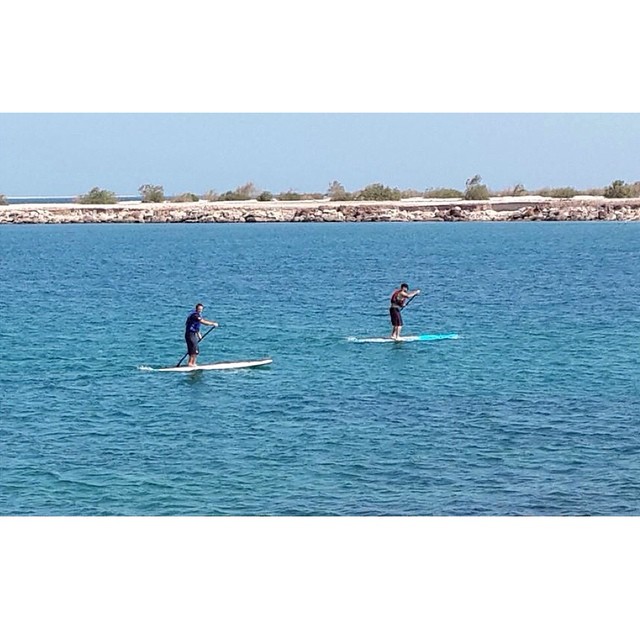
69,153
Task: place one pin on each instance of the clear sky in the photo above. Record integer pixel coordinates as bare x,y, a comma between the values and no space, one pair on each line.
69,153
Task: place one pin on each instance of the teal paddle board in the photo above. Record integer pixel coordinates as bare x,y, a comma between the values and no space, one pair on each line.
421,338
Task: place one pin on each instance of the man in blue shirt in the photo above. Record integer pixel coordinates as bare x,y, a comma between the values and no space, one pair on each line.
192,334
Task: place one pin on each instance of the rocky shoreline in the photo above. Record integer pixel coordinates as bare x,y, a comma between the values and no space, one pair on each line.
415,210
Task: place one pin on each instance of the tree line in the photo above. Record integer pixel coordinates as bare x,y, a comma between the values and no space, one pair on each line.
475,189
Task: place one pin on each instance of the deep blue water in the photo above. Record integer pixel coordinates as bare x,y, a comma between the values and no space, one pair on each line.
535,409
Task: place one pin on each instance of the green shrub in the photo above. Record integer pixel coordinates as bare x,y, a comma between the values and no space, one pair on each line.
97,196
563,192
151,193
3,200
477,192
185,197
442,192
516,190
265,196
337,192
246,191
289,195
378,191
475,189
557,192
410,193
233,195
618,189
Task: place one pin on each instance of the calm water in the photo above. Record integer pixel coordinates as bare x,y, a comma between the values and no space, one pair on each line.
534,410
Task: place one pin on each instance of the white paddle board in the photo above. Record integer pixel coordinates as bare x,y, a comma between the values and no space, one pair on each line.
238,364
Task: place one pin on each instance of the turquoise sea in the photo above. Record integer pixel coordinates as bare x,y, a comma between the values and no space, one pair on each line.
534,410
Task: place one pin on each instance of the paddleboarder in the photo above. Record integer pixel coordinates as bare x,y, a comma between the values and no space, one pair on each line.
399,299
192,334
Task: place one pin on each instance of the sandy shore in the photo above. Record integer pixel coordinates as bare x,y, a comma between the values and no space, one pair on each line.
413,210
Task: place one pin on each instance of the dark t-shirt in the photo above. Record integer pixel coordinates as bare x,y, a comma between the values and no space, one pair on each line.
396,301
193,322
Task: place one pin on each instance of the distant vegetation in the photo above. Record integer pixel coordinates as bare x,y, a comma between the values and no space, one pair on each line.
411,193
247,191
151,193
558,192
184,197
290,195
442,192
475,189
210,195
337,192
378,191
97,196
619,189
516,190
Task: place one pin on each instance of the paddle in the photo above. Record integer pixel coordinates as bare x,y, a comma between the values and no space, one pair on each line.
411,299
199,341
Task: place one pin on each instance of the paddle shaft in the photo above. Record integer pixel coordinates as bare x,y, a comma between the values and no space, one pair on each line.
199,341
410,301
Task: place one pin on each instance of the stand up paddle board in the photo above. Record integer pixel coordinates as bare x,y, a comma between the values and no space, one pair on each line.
423,337
238,364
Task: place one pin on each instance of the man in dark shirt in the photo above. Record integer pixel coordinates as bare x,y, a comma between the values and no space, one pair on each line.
398,300
192,334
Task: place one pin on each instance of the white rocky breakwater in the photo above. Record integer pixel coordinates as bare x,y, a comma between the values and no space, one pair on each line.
416,210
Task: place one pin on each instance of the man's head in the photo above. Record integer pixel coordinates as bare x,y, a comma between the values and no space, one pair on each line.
199,307
404,286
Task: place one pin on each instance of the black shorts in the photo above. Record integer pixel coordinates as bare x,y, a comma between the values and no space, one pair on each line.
191,338
396,317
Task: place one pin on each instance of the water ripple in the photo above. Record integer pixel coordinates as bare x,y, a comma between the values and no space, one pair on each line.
534,411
